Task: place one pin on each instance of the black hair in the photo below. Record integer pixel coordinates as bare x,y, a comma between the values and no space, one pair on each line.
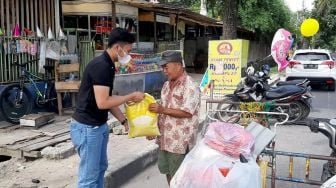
120,35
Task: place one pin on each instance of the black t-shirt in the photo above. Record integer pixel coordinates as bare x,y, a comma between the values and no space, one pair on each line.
100,71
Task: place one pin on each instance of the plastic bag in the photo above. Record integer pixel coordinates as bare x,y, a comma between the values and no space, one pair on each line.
53,50
229,139
141,121
202,168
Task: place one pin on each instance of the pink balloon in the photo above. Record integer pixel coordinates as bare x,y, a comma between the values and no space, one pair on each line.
280,46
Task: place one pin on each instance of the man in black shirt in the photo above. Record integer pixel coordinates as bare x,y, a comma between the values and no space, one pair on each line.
88,128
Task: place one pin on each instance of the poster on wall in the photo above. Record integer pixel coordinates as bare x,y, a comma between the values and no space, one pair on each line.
226,59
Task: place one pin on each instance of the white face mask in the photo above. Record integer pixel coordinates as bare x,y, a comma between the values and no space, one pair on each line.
125,59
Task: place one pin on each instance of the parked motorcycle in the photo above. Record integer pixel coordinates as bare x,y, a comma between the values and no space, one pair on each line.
255,88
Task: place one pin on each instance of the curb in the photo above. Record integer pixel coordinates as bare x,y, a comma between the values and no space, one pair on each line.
129,167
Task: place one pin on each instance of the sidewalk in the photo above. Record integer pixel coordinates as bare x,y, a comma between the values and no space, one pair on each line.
126,158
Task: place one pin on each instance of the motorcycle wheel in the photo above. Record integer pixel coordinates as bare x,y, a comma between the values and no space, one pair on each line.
230,117
294,111
305,111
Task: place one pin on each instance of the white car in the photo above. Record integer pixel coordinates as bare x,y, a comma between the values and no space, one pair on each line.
316,65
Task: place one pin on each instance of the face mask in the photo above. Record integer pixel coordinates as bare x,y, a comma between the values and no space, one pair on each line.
125,59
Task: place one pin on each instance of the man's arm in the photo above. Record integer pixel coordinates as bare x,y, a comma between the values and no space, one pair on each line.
177,113
116,112
105,101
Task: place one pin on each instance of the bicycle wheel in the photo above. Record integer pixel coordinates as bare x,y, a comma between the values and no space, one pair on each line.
11,106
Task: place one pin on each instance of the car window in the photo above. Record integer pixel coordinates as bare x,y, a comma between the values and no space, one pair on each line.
311,57
333,56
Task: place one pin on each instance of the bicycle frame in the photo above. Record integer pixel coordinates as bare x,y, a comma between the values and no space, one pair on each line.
30,76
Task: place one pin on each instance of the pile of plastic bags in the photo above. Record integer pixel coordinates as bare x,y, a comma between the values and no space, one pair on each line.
229,139
214,161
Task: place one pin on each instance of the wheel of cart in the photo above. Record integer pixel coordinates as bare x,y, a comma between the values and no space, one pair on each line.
265,143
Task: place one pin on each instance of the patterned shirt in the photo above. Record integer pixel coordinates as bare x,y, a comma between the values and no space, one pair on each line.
179,133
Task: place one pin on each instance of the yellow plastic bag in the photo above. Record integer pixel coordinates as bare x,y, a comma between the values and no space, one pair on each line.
141,121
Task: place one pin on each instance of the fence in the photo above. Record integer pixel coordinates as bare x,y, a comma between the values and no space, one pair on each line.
20,50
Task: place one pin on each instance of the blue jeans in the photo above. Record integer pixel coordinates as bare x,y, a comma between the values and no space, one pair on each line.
91,145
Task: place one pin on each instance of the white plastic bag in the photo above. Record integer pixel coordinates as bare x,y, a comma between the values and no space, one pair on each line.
201,169
53,50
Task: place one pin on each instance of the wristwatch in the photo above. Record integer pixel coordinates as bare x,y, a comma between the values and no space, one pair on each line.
124,121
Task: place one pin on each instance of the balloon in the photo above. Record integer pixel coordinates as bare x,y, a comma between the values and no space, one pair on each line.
280,46
309,27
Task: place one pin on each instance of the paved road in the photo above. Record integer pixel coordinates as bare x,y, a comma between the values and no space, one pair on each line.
289,138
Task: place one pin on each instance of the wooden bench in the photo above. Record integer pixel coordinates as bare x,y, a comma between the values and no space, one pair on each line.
66,86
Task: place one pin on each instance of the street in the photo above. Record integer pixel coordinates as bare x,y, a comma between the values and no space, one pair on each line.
290,138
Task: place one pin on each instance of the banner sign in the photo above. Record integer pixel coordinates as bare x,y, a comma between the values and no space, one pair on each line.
226,59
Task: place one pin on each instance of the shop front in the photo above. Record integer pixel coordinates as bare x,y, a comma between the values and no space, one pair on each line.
87,25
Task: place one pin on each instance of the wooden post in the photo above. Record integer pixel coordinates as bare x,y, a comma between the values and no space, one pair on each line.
114,20
176,23
2,14
155,38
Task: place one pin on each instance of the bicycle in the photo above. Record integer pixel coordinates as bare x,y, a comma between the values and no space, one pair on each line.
16,100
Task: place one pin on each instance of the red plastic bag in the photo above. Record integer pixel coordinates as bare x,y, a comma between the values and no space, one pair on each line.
229,139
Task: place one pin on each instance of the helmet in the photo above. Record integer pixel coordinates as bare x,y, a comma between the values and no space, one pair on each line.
265,69
250,71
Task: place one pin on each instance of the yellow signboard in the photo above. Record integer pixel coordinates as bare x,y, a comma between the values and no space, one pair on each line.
226,59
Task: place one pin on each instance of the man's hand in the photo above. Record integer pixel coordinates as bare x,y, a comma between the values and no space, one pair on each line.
155,107
126,127
137,96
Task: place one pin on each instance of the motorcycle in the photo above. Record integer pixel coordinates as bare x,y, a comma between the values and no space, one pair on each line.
255,88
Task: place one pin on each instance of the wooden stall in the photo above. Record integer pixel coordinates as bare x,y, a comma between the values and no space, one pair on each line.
26,15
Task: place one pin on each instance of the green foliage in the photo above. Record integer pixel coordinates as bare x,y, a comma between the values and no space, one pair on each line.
325,12
265,16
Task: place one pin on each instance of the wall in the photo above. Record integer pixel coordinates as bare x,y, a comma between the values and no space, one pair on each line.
24,13
29,14
258,50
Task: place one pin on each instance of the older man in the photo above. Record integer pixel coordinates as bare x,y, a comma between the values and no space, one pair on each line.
178,114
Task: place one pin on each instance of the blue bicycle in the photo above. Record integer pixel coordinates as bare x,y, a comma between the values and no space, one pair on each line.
16,100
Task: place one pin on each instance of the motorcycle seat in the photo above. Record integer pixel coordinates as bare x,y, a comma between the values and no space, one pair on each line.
290,82
283,91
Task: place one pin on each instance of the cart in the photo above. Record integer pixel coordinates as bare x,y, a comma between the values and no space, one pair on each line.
269,151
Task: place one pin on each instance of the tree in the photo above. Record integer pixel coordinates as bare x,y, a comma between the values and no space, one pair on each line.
264,17
230,19
325,12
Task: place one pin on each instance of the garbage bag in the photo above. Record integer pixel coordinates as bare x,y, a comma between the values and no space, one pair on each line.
141,121
203,168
